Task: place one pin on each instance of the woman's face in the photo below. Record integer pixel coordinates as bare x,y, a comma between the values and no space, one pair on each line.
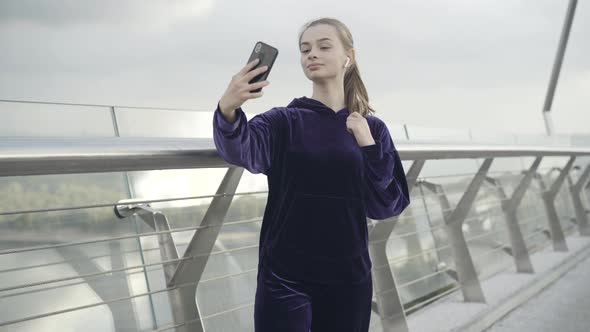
320,45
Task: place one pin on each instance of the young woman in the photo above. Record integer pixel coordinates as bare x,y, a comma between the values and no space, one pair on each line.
330,164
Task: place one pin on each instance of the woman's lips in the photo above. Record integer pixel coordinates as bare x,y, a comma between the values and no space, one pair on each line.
314,66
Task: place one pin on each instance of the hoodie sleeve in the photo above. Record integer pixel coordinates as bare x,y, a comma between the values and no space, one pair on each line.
248,144
386,187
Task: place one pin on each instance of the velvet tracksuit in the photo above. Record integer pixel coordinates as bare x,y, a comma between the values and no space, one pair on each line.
313,250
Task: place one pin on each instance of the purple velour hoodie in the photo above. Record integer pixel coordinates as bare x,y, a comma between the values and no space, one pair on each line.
321,186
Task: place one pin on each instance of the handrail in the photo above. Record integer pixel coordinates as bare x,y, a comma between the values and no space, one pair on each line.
99,105
64,155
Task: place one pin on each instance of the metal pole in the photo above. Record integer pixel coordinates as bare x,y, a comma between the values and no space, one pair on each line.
565,32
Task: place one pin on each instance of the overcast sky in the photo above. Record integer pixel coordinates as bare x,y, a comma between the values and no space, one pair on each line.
457,63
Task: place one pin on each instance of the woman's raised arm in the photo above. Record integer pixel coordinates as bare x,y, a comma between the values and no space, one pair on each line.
249,144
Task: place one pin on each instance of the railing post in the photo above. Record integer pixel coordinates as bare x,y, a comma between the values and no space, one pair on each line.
188,271
470,285
389,305
510,205
576,190
557,236
468,279
166,244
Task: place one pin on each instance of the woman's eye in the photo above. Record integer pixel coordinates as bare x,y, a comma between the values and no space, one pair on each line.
323,48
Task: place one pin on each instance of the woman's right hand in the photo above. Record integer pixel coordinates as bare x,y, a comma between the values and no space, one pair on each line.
238,90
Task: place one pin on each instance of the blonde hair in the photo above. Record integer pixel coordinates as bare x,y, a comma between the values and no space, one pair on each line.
355,93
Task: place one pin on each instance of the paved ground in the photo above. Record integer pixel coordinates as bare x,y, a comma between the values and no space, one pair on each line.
563,307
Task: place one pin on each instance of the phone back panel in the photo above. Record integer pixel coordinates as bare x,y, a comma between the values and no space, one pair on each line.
267,55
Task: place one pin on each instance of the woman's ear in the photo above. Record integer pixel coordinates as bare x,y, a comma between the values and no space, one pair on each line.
351,54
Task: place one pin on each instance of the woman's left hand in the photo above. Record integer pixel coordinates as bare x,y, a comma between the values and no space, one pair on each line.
357,125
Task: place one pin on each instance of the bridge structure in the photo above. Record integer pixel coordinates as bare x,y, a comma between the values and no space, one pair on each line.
109,222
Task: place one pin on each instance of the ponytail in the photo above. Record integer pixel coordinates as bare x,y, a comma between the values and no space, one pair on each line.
355,93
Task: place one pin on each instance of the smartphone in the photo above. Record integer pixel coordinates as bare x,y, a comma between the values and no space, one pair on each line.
267,55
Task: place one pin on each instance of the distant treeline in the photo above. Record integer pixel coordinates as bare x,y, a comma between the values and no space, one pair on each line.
52,191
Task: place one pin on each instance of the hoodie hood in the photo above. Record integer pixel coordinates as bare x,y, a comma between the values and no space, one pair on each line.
315,105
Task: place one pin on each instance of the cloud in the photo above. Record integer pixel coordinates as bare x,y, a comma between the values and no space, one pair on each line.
454,57
71,12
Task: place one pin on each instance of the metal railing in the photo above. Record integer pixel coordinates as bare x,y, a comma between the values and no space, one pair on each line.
441,260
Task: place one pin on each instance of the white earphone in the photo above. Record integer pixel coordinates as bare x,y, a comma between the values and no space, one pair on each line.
347,60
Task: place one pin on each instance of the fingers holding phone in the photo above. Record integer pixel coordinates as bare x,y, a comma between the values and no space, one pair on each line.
249,81
239,90
255,85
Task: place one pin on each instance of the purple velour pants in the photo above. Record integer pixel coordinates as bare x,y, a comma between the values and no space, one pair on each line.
283,305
